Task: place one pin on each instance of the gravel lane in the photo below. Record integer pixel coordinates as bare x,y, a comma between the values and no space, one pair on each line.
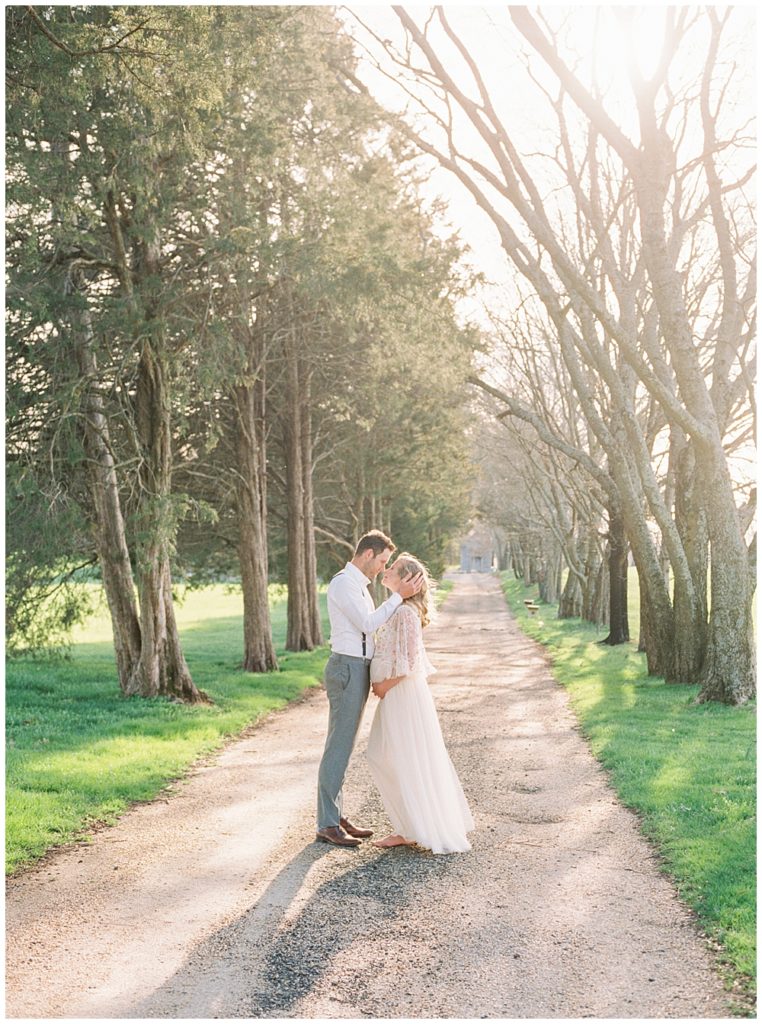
217,903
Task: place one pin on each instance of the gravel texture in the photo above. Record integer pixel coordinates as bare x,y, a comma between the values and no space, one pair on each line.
215,901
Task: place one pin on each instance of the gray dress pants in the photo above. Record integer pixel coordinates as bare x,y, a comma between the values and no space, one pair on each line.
347,683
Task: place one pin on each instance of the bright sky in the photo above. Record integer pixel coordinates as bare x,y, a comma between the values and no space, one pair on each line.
595,39
477,24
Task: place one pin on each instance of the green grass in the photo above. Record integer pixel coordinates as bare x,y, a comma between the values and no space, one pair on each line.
78,753
687,769
440,594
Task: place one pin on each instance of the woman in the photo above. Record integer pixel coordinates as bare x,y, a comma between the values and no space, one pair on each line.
406,752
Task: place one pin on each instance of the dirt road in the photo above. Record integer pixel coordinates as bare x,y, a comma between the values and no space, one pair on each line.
216,902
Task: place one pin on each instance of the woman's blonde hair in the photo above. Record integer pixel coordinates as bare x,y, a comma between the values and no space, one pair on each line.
423,602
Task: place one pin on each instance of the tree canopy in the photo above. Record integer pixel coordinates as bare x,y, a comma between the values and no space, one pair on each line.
232,336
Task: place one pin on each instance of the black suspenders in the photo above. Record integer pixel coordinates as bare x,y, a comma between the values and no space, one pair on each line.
364,642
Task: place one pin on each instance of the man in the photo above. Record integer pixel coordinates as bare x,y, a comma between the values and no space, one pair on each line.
354,619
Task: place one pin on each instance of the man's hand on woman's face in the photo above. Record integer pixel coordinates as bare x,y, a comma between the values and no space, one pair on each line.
410,586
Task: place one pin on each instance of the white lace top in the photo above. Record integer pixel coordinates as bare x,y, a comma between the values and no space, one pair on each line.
399,647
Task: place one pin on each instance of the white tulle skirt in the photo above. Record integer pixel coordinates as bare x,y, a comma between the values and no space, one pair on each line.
410,765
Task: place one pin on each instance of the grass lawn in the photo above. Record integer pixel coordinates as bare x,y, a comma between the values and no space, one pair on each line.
78,753
688,770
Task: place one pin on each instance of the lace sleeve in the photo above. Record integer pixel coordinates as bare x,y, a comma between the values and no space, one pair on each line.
407,645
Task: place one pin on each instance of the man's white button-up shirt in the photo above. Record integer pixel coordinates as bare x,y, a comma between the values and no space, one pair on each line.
352,612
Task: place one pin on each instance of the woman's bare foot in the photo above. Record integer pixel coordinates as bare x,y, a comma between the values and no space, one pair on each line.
393,841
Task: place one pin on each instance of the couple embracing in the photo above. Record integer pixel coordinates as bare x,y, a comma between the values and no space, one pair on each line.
406,753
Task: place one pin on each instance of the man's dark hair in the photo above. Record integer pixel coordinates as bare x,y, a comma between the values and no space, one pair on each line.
375,541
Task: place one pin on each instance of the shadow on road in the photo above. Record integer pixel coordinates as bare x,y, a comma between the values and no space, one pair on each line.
275,954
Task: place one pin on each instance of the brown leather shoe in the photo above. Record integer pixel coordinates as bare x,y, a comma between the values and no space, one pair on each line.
335,836
353,830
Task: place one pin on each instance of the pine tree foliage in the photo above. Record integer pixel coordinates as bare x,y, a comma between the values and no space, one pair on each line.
206,233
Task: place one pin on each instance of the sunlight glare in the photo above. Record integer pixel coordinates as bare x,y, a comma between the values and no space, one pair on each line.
621,36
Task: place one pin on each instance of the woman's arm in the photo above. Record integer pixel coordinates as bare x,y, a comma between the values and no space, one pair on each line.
404,648
382,687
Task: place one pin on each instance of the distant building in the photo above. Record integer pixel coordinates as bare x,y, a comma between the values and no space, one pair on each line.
477,550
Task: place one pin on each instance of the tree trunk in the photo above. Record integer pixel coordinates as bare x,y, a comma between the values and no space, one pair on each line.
529,561
109,529
299,630
258,649
359,506
161,669
652,641
517,559
690,609
310,552
108,526
548,580
542,580
503,553
570,605
592,571
729,670
599,609
619,624
559,575
656,611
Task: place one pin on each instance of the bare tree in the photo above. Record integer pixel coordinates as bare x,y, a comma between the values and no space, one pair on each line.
625,320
